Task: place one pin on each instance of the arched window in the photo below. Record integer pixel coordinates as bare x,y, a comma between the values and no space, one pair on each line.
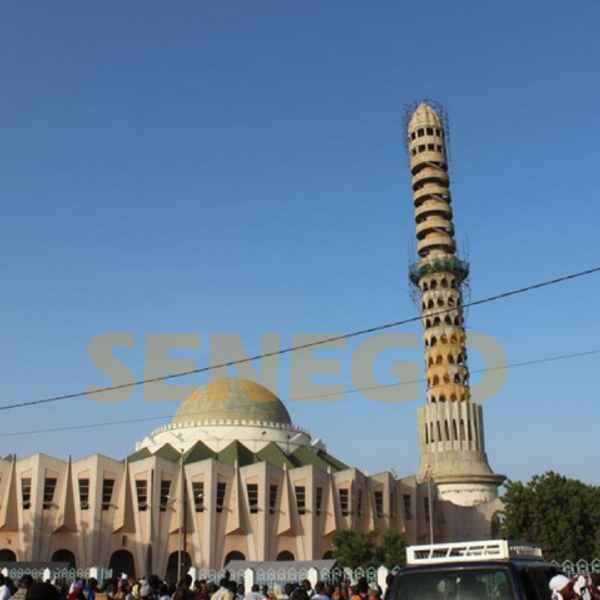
65,556
171,575
121,562
285,555
7,556
233,555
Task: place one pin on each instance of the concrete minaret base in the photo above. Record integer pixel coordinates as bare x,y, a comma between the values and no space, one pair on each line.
452,453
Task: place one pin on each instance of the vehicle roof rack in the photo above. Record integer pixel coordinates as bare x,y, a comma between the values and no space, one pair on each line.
472,551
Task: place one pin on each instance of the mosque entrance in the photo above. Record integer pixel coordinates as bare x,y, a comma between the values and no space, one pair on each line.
122,562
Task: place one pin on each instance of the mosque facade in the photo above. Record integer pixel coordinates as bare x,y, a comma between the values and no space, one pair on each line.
232,478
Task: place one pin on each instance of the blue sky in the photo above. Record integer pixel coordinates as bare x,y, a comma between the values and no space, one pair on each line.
239,167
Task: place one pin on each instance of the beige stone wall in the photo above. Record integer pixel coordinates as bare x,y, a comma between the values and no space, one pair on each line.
77,518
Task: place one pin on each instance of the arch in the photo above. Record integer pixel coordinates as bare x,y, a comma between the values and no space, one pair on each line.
121,561
444,283
451,301
430,304
439,360
285,555
64,556
328,555
186,562
440,301
233,555
7,556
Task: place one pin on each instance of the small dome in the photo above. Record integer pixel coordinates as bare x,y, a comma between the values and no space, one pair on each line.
424,116
232,399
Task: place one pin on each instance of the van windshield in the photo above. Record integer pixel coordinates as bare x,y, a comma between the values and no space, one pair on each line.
455,584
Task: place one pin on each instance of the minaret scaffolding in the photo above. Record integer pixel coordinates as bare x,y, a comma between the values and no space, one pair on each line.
450,425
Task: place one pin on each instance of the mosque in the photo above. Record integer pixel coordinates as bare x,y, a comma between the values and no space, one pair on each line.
233,478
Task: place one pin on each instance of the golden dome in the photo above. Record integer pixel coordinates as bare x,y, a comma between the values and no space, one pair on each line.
424,116
232,399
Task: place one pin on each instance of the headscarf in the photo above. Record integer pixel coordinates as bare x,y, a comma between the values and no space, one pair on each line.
557,584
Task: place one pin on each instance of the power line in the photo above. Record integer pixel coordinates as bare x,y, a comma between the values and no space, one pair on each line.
291,349
527,363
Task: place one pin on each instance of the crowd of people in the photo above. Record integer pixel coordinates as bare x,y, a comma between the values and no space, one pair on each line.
152,588
579,587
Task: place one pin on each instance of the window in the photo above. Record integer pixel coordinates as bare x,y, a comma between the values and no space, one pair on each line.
345,502
413,135
430,147
26,492
272,498
379,504
49,487
319,502
420,132
252,489
141,488
426,509
221,490
300,492
430,131
406,503
359,498
107,491
84,493
392,504
165,494
438,132
422,148
198,491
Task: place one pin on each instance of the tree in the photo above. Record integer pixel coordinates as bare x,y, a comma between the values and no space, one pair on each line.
391,552
352,549
560,514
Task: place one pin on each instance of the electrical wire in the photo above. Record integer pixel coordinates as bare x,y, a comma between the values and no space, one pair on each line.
526,363
291,349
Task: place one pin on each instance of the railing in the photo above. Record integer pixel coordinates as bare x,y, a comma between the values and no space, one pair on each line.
63,576
581,566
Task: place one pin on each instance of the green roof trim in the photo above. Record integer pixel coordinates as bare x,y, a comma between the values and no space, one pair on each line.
168,453
303,456
199,451
236,451
273,455
337,465
139,455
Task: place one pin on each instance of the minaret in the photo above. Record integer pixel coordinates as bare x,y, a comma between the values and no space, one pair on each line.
450,425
